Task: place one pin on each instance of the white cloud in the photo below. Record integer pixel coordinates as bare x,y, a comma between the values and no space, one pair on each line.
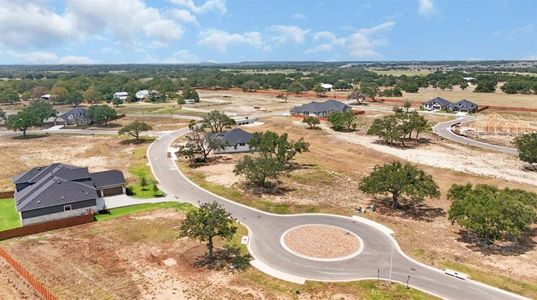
363,43
179,57
30,24
44,57
286,34
320,48
298,16
126,19
163,31
425,7
519,32
76,60
37,57
183,16
328,36
220,40
209,5
27,24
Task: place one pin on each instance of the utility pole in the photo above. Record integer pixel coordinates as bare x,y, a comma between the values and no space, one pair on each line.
407,280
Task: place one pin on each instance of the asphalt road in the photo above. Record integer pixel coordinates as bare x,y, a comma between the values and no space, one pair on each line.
266,230
444,130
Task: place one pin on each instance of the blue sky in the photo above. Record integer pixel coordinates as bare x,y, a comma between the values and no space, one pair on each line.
190,31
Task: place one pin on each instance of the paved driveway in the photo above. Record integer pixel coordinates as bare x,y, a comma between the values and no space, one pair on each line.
124,200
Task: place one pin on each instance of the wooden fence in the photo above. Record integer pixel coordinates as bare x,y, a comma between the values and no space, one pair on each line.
34,283
42,227
7,195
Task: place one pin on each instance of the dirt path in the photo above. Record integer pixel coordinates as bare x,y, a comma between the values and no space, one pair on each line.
451,156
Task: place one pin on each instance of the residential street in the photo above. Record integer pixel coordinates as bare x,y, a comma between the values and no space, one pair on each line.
444,130
266,229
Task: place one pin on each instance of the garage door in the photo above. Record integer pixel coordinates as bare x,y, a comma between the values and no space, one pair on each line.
113,191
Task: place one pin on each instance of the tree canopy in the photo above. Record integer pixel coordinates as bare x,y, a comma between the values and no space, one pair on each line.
209,221
217,121
270,144
492,213
344,120
400,180
101,114
527,147
134,129
311,121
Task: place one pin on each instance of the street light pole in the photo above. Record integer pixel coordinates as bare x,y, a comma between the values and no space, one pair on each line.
407,280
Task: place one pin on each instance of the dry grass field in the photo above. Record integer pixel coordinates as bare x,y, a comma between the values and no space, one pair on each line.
327,181
96,152
141,256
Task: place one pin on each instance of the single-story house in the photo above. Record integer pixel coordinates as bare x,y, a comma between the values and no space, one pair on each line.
189,101
75,116
437,103
443,104
320,109
143,94
121,95
236,140
244,120
59,191
327,87
465,106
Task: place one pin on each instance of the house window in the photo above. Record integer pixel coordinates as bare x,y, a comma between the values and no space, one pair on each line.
67,207
242,144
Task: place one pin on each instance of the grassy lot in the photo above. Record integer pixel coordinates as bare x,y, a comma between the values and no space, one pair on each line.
250,200
140,169
9,218
127,210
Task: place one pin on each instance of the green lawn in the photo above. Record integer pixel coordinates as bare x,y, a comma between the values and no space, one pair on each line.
140,169
127,210
9,217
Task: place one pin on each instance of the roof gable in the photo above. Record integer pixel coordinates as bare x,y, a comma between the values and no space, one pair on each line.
318,107
236,136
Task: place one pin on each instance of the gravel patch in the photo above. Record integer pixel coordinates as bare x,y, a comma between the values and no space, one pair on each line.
321,241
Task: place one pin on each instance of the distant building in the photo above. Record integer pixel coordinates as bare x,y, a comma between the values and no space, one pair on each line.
437,103
121,95
236,140
465,106
76,116
143,94
244,120
320,109
468,79
45,97
59,191
445,105
327,87
189,101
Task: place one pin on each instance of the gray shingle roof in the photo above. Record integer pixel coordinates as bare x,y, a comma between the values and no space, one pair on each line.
235,136
77,113
466,103
107,178
59,184
319,107
438,100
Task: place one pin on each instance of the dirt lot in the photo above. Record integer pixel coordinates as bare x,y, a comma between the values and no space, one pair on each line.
328,180
97,153
141,257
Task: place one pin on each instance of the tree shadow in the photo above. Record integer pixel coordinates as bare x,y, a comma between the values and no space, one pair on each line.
414,211
411,144
229,258
136,142
511,247
273,188
30,136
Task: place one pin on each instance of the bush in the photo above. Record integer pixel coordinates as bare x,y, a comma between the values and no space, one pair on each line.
129,191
